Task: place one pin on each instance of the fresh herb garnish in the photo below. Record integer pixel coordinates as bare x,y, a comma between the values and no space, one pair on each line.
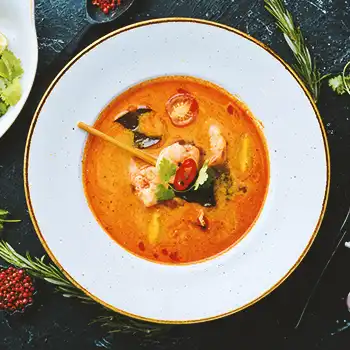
164,194
3,218
205,176
3,108
10,87
340,84
50,273
166,170
202,176
337,84
12,93
13,65
305,65
203,190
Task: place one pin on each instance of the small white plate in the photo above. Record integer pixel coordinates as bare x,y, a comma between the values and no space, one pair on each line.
17,22
299,164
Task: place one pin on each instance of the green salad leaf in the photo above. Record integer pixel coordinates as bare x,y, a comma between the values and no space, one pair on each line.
10,87
4,73
13,64
12,93
3,108
2,83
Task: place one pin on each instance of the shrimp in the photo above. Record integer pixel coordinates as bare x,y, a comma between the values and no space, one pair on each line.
217,146
144,179
177,153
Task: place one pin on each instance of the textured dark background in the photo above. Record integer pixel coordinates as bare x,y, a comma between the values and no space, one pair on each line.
57,323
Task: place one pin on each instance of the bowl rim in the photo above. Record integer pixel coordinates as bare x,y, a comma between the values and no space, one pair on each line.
95,44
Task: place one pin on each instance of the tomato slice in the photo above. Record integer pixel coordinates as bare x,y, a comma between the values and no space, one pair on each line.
186,173
182,109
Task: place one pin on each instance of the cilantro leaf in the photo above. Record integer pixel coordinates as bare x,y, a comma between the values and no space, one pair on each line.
205,177
4,73
164,194
12,93
3,108
166,169
337,84
202,176
2,83
13,64
211,177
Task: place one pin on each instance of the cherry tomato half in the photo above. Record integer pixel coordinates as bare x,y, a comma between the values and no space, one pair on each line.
185,174
182,109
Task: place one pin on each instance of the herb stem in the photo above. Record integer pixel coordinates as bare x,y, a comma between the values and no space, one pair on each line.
50,273
305,66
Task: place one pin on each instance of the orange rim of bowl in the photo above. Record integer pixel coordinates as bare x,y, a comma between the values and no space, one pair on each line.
92,46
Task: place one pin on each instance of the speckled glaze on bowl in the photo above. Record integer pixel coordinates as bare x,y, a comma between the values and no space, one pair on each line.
299,164
17,23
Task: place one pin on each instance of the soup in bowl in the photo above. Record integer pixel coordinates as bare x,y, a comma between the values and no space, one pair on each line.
207,184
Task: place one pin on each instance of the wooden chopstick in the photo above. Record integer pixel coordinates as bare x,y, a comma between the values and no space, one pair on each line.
134,151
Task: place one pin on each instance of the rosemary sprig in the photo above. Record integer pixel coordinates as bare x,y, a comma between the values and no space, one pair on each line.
40,269
305,66
121,324
115,323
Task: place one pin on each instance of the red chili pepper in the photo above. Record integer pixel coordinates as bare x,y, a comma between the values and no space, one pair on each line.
185,175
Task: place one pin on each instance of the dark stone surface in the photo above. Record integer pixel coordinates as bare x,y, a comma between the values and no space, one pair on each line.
58,323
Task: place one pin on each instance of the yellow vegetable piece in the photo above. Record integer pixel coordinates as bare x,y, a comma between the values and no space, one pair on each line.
154,228
244,153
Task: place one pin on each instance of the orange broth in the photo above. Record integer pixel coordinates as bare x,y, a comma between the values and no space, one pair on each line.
180,240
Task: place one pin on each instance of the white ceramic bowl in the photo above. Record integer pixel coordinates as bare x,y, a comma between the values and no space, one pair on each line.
17,22
299,171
